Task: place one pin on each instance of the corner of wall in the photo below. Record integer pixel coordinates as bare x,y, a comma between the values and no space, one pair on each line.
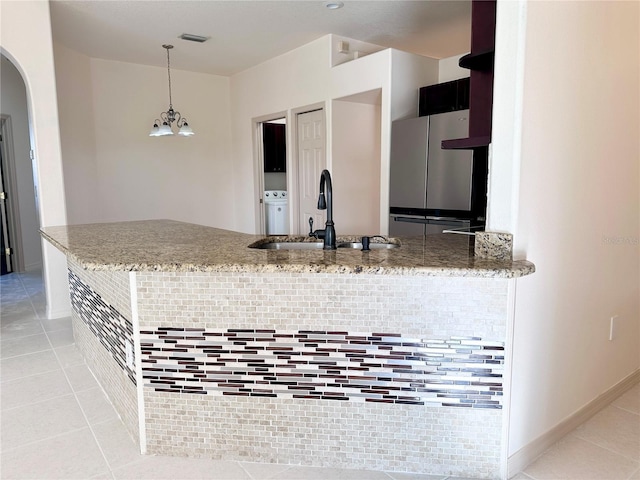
344,49
449,69
505,150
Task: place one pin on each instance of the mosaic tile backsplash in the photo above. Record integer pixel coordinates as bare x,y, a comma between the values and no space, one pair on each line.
359,367
105,322
348,371
464,442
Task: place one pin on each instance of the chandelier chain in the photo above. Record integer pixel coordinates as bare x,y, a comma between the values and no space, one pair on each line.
169,75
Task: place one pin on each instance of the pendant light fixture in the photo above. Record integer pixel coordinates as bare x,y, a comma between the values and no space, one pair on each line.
162,126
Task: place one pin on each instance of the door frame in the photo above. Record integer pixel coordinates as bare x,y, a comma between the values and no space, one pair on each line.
293,161
258,165
11,189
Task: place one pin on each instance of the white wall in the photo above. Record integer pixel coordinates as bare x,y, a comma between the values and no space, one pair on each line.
25,38
356,49
449,69
295,79
140,177
115,171
578,214
77,135
356,176
304,77
505,149
13,102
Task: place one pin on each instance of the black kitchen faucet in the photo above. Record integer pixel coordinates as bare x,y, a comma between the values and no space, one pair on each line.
325,202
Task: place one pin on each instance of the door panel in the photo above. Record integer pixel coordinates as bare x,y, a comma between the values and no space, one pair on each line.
311,162
449,173
5,247
408,174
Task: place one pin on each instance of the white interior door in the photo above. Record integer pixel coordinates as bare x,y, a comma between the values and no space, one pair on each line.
311,162
6,264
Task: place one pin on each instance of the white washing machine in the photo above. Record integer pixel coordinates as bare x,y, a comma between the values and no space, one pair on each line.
277,212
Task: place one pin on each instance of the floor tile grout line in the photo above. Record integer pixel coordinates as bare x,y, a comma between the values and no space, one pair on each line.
84,415
140,459
99,423
36,353
26,336
245,471
527,475
46,439
391,477
239,464
23,354
634,473
274,476
27,376
35,310
75,396
71,392
31,375
626,410
32,404
605,448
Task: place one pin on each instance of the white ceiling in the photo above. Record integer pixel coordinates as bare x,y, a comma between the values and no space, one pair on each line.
245,33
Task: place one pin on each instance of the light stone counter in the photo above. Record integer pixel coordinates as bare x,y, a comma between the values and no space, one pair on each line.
170,246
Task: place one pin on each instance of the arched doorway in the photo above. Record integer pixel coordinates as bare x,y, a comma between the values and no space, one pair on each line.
21,250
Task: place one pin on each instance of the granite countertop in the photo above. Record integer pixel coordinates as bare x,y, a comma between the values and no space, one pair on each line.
171,246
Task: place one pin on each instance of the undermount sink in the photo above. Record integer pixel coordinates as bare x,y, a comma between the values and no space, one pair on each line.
289,246
372,246
318,245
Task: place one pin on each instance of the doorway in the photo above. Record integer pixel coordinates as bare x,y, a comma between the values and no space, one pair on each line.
303,152
21,228
272,159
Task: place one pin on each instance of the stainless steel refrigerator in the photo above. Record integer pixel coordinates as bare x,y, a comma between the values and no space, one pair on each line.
430,188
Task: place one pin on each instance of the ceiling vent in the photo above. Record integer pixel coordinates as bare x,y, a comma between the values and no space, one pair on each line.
193,38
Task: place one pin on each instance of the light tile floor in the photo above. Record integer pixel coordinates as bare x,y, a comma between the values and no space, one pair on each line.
57,423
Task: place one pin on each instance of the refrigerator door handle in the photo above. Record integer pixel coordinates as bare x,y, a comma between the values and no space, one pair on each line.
428,220
448,219
410,219
425,219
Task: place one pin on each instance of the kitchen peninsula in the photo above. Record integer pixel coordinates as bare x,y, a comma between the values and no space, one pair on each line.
389,359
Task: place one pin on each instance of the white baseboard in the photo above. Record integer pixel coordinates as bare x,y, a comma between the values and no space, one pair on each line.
527,454
33,267
58,313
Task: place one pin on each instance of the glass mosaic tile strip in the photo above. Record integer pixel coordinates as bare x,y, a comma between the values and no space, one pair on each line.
357,367
107,324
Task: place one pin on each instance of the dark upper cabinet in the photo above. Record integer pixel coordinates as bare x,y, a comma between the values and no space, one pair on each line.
275,150
444,97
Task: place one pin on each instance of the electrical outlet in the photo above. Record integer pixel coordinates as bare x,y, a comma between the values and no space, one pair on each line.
128,348
613,327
